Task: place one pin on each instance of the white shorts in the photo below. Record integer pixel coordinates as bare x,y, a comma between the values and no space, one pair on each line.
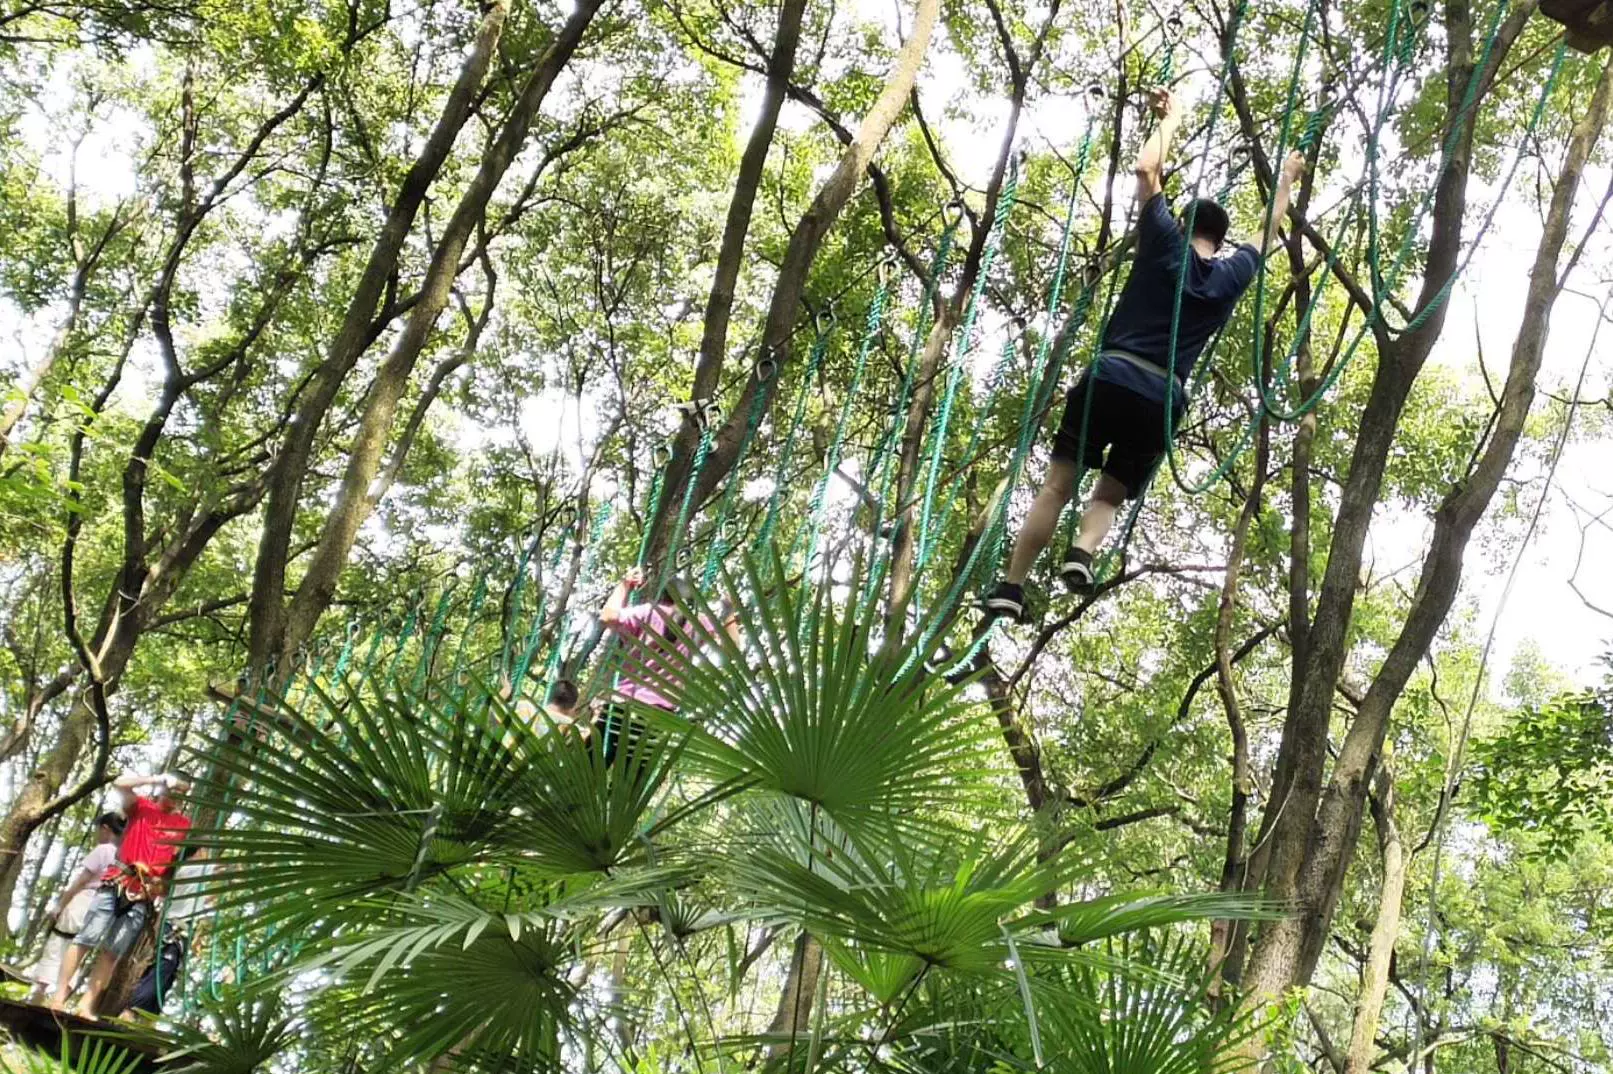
49,966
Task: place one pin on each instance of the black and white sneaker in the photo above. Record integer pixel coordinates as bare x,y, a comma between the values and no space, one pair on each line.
940,660
1076,570
1007,599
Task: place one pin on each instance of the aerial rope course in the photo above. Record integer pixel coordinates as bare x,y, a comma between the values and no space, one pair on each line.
526,639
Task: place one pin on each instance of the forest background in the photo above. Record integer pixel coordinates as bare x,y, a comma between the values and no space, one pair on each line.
325,320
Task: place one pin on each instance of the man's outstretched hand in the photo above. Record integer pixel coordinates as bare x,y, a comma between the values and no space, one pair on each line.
1163,103
1294,166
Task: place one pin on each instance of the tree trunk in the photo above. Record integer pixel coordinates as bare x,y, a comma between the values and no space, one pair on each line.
1375,976
266,613
1284,953
785,306
741,205
903,582
31,377
795,1001
84,264
1233,863
1315,839
931,360
1340,815
39,788
356,498
730,257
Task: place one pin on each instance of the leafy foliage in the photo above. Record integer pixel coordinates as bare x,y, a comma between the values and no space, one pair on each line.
454,867
1548,771
405,825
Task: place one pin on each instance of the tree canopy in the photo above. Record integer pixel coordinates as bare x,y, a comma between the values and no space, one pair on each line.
358,349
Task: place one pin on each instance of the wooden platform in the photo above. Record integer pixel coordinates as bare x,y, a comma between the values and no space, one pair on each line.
32,1026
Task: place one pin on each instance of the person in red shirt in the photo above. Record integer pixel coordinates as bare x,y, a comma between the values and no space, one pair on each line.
122,907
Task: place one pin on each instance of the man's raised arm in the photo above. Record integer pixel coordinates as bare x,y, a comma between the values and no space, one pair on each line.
1150,166
1293,168
126,784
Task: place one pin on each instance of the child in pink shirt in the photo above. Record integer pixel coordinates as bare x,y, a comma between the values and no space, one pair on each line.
649,630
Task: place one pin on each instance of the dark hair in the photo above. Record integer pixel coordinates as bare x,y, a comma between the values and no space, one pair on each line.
677,595
678,590
564,694
1210,221
114,821
185,777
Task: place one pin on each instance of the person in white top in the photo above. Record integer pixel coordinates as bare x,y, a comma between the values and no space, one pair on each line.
560,707
66,911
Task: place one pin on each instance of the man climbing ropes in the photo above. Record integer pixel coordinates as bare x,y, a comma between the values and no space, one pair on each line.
1121,429
122,906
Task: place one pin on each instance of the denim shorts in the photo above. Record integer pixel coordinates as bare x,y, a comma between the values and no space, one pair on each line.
106,928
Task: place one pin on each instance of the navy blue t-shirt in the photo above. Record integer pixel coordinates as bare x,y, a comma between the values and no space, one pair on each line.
1141,322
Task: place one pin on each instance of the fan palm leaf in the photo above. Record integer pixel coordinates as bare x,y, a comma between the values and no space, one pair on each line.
239,1034
1158,1023
811,707
442,975
937,905
78,1055
369,795
1089,920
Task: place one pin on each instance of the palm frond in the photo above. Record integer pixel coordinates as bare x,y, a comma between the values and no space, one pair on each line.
372,795
238,1034
1150,1025
937,905
1084,922
484,988
810,707
78,1055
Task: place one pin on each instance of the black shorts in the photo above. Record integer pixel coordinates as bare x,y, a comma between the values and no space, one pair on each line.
1125,433
618,730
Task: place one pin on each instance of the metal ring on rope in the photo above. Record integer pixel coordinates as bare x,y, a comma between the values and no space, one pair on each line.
696,409
882,270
